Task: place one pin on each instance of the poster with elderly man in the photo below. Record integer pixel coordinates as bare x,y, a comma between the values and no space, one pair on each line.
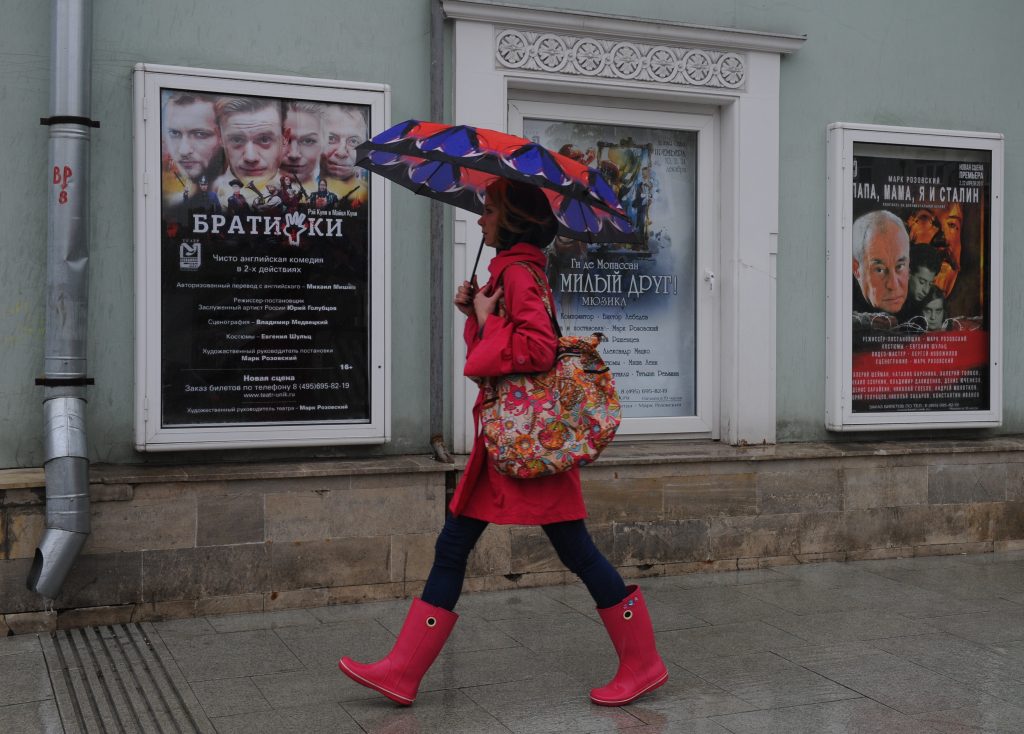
920,268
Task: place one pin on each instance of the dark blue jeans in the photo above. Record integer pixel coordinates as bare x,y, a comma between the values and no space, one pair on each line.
571,540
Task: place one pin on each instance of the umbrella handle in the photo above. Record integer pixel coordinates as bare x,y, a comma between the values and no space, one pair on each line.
477,261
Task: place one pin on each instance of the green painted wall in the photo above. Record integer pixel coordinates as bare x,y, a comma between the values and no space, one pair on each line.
927,63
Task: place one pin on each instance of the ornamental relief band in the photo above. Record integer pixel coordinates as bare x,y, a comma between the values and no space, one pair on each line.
619,59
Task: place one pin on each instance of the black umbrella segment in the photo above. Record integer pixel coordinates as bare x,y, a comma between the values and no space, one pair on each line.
456,163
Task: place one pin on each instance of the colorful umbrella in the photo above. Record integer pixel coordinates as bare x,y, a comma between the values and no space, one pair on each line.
456,163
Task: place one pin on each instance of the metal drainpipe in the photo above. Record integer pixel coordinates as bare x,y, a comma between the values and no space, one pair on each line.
437,381
66,460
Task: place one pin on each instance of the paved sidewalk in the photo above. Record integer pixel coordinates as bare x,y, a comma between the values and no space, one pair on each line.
894,647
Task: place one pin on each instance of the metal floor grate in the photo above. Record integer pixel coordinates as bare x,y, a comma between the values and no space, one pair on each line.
120,678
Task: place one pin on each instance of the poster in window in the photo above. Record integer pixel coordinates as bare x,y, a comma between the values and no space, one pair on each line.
266,265
641,296
921,307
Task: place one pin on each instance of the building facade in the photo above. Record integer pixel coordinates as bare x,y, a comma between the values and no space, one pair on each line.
713,122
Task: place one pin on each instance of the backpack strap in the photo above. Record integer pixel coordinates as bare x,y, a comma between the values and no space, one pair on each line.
545,293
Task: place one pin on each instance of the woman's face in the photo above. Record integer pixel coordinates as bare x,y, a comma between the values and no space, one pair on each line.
488,222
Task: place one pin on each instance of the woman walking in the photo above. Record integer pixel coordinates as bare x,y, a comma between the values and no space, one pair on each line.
508,331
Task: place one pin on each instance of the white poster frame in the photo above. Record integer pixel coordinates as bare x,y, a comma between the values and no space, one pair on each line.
839,415
148,80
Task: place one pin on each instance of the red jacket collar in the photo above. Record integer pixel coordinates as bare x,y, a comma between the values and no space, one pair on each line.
522,252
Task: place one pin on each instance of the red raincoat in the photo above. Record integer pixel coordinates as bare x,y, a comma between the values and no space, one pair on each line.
521,341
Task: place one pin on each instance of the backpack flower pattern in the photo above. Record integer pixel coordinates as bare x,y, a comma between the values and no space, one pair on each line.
539,424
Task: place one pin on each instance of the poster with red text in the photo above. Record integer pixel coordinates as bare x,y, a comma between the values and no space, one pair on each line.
921,280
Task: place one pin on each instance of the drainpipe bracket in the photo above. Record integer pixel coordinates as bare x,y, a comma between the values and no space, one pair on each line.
65,381
69,120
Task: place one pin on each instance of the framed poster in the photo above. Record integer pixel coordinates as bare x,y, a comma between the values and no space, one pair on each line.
914,289
652,299
262,261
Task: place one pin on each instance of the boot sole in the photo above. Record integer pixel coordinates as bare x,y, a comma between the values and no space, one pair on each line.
396,697
656,684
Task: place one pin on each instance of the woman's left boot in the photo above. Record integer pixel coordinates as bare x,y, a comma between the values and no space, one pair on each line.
641,668
398,675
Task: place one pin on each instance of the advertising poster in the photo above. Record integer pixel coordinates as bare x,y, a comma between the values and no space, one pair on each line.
640,296
921,304
264,261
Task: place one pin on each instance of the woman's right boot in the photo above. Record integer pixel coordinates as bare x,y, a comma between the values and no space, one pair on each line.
398,675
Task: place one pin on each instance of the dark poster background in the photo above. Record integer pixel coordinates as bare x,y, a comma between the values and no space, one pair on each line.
932,353
264,283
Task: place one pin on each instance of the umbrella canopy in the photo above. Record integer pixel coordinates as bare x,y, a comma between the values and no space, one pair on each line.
456,163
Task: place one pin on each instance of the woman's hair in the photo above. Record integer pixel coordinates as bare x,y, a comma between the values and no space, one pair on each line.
524,214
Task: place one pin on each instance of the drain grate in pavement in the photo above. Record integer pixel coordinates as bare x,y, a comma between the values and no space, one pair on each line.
120,678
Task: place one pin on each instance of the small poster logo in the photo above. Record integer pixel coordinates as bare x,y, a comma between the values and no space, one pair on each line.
190,255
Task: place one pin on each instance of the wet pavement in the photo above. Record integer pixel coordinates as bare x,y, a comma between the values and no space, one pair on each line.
932,644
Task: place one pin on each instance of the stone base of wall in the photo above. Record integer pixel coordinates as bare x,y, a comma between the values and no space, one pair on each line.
195,540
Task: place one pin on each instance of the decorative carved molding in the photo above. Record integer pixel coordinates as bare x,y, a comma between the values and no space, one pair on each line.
561,54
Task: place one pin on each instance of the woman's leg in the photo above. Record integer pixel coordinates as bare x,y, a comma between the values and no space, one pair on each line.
623,612
429,622
457,538
577,551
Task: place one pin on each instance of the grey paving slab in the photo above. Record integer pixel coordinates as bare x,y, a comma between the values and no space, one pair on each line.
805,598
920,603
299,720
184,627
903,645
833,627
1013,650
367,610
574,596
899,684
729,578
518,604
997,718
28,718
988,669
320,648
814,657
961,581
23,678
985,627
231,655
717,605
554,634
741,638
550,702
857,716
17,644
685,697
262,620
766,680
450,711
488,667
229,696
829,575
308,688
664,725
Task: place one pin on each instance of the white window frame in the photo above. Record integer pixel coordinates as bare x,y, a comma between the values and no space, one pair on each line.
149,79
746,211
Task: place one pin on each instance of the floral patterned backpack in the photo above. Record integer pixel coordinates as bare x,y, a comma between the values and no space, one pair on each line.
547,422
